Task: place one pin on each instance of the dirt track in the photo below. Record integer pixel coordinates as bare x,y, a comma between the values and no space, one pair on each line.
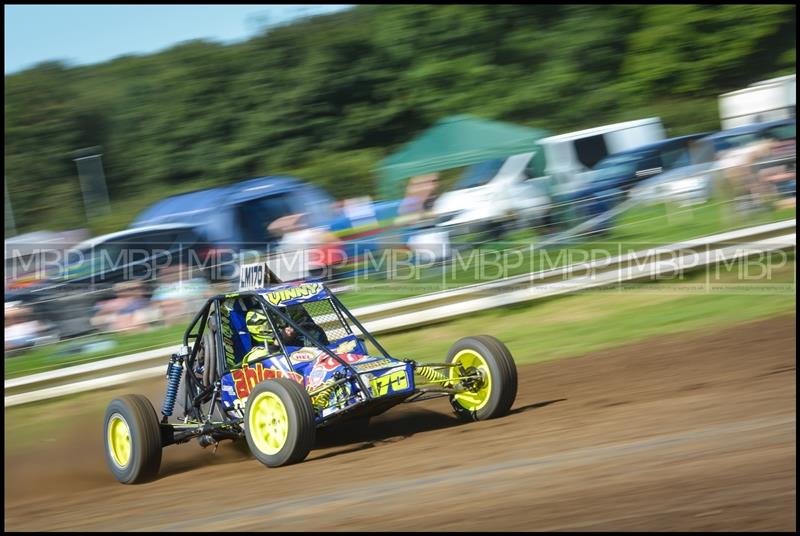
675,433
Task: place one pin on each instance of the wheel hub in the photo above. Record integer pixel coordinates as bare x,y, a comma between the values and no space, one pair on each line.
269,423
119,440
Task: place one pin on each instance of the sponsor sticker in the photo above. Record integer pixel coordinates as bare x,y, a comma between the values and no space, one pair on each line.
389,383
328,363
278,297
345,347
245,378
316,378
377,364
305,354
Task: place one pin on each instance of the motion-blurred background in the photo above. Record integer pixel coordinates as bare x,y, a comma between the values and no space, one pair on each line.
327,137
610,184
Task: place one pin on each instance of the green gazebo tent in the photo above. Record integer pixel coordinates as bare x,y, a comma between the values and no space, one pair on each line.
453,142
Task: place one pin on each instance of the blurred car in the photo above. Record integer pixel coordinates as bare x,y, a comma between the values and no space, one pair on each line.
25,255
234,220
518,190
694,183
613,178
130,254
87,274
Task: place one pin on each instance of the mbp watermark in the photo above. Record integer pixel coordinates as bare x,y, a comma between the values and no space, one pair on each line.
397,268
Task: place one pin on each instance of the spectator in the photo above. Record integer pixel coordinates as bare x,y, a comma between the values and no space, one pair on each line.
176,297
781,178
304,250
419,195
741,176
128,310
21,330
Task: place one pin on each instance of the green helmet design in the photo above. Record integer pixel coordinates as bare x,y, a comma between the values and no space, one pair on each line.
258,325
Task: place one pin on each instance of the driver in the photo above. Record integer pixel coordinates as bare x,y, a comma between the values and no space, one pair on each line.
261,332
292,337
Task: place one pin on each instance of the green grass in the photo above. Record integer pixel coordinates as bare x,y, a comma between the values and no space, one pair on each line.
637,229
576,324
59,355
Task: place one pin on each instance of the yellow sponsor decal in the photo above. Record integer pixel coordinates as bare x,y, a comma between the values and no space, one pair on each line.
396,381
372,365
277,297
346,347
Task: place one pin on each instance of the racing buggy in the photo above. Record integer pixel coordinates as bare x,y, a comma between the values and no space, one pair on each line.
270,364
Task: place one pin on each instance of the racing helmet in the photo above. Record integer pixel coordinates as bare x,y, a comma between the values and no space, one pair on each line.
258,326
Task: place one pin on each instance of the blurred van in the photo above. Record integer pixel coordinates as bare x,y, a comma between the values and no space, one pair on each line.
237,216
567,157
234,220
518,191
612,179
492,194
694,183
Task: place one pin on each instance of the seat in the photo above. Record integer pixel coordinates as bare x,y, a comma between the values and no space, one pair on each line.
242,342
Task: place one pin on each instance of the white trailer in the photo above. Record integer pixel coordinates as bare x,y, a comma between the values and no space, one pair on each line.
763,101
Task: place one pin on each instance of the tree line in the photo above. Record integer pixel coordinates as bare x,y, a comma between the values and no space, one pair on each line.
325,98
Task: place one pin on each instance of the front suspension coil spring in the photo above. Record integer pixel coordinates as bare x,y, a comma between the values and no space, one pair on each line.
320,400
431,374
173,382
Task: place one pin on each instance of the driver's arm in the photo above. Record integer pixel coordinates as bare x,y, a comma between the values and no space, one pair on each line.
300,317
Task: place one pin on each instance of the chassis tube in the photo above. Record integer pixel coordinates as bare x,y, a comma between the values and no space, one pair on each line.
339,360
353,319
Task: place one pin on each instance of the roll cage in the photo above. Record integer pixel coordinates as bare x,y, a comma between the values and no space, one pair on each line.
193,338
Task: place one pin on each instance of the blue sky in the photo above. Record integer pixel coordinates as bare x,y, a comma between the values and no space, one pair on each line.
84,34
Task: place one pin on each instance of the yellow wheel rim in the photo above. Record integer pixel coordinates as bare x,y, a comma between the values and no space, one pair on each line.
268,423
119,440
472,400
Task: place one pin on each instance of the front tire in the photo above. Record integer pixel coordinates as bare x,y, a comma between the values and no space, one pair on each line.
133,439
494,394
279,422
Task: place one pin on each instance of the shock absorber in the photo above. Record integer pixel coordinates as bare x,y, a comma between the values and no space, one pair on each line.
431,374
174,371
320,399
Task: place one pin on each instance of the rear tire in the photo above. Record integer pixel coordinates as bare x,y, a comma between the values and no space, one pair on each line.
132,437
279,422
493,396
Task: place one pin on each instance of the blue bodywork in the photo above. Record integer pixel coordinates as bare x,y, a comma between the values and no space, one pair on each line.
613,176
235,217
385,377
738,136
